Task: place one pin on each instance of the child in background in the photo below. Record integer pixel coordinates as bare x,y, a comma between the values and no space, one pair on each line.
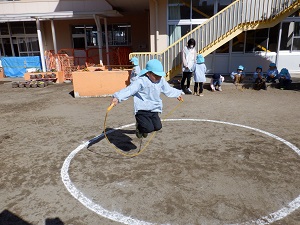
135,70
284,79
216,82
272,73
238,76
146,90
199,76
259,79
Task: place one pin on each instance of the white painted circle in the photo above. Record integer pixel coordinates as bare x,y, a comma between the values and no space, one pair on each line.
118,217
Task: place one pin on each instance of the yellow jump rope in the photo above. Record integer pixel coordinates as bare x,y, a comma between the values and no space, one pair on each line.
149,140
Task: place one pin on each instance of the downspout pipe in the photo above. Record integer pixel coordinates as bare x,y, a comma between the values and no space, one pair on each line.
156,25
106,41
99,38
54,36
278,46
41,45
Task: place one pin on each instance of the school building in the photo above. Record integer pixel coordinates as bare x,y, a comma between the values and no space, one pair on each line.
228,33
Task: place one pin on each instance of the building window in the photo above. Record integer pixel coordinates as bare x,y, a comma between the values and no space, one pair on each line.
85,36
290,38
296,38
118,35
238,43
4,29
185,15
257,40
22,41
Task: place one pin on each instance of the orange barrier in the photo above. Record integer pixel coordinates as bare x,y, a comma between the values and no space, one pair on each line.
99,83
1,73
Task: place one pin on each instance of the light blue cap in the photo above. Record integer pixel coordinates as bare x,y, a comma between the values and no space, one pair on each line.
200,58
135,61
154,66
272,65
240,67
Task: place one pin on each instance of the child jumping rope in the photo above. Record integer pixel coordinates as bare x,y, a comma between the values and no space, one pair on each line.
146,90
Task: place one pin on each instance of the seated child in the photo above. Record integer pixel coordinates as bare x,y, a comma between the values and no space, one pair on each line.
216,82
272,73
284,79
259,79
135,70
238,75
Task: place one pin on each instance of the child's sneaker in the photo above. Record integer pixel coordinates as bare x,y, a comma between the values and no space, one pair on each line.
220,89
137,132
189,91
145,135
201,95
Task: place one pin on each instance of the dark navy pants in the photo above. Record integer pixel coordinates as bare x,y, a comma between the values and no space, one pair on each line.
148,121
186,76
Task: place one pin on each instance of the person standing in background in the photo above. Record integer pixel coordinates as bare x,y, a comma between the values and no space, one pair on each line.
188,65
199,76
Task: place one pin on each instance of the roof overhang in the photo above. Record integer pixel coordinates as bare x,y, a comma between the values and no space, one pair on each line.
57,16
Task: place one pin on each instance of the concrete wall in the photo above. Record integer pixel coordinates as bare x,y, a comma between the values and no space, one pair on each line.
226,63
158,25
139,28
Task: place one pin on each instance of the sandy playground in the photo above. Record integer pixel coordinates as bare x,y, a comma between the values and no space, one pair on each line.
229,157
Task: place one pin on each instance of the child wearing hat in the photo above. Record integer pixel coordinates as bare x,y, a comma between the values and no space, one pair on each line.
238,75
135,70
272,73
284,79
199,77
259,79
146,90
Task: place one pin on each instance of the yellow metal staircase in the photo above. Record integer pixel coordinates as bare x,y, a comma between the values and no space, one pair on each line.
240,16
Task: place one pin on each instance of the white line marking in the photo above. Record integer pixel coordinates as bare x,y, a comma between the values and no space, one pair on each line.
118,217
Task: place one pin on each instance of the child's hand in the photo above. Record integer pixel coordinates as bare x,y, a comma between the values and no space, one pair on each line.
180,98
114,101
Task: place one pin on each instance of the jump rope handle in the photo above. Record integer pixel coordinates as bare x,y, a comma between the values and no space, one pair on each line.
110,107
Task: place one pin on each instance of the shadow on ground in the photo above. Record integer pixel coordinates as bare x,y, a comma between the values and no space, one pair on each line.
9,218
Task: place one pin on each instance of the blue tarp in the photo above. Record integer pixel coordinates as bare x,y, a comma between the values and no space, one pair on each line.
17,66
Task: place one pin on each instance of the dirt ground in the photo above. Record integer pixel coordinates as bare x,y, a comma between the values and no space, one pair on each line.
196,170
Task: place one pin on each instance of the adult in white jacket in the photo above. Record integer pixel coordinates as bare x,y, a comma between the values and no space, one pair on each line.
189,54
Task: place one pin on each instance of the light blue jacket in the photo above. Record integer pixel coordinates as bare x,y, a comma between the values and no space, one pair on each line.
236,73
272,72
200,71
146,94
255,75
286,75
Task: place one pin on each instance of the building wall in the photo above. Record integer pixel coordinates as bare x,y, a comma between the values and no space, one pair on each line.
159,35
139,28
